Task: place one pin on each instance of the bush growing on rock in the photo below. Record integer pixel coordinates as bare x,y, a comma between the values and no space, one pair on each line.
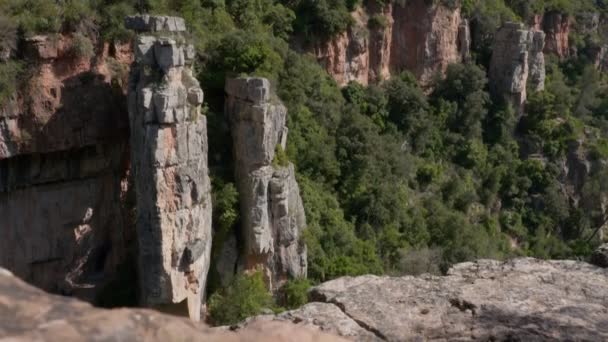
246,296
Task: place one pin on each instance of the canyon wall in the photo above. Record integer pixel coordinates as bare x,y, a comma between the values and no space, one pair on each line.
271,208
64,167
169,164
386,39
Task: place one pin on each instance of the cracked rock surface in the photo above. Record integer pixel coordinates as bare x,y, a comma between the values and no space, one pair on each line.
169,160
29,314
271,206
517,300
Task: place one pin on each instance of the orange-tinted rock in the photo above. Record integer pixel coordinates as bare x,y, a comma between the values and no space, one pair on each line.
63,168
417,36
557,28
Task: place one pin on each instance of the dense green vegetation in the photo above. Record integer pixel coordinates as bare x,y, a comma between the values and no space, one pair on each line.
394,180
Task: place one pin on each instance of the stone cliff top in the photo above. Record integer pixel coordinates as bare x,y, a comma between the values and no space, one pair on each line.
155,23
516,300
252,89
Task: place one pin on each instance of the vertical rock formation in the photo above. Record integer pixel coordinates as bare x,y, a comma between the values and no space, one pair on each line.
416,35
63,168
271,208
516,59
169,160
557,27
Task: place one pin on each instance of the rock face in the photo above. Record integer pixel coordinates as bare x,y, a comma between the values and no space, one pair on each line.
557,27
517,300
416,35
28,314
516,59
64,168
169,161
600,256
271,208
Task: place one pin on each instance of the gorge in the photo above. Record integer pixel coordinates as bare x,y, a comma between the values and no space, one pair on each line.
365,176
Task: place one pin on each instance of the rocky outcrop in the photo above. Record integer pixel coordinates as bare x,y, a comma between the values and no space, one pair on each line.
169,161
50,114
557,27
271,208
517,300
64,167
385,39
600,256
28,314
517,59
425,38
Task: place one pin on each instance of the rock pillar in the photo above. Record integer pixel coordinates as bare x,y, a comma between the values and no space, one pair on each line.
272,212
516,59
169,160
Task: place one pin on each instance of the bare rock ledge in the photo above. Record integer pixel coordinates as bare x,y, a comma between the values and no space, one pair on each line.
517,300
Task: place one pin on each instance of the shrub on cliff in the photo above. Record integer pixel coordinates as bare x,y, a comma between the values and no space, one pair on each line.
294,293
246,296
82,46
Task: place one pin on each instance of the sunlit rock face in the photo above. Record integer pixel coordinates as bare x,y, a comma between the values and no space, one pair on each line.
419,36
272,212
517,60
169,161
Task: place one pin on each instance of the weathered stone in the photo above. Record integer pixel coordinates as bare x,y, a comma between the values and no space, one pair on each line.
63,170
516,57
600,256
420,36
60,213
144,49
557,27
42,47
256,90
271,207
536,61
169,159
464,40
195,96
169,54
28,314
148,23
327,317
516,300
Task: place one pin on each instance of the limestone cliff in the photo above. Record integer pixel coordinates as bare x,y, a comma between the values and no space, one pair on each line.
416,35
169,161
271,208
516,300
517,59
64,167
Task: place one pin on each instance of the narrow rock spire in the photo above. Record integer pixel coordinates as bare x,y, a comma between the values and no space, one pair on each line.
169,159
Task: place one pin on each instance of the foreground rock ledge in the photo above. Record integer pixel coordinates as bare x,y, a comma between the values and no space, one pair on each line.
29,314
517,300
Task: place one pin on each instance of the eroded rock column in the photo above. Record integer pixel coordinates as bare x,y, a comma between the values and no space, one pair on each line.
169,159
516,59
272,212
